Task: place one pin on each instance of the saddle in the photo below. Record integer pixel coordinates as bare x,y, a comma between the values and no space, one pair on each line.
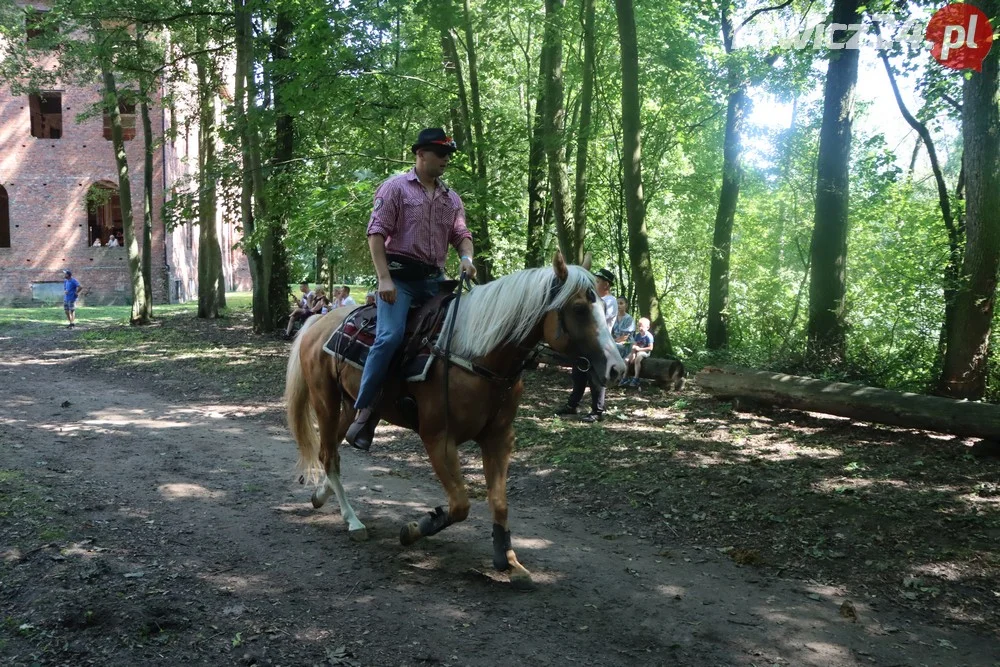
352,341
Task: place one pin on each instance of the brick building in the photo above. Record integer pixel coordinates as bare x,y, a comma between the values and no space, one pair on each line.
59,199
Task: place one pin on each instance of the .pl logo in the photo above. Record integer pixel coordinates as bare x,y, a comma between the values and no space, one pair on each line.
962,36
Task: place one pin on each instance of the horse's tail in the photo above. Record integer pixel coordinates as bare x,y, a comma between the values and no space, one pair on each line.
300,413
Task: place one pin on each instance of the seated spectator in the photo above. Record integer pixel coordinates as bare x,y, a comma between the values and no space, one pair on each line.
345,296
623,329
335,303
642,345
97,242
113,242
303,309
370,299
321,304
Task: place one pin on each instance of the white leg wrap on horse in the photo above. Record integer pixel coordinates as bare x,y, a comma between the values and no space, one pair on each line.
333,484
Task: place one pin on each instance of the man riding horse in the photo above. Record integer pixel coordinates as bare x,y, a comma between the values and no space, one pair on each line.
414,218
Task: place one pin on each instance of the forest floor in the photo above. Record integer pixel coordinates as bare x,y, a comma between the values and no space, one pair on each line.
150,514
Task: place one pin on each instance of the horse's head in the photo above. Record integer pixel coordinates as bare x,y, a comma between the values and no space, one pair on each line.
578,329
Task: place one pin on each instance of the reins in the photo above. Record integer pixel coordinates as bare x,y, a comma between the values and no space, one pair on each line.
463,282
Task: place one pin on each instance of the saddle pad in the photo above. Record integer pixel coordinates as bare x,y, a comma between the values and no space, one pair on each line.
352,342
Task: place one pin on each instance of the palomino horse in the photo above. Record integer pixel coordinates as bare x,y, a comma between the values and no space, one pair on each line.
497,327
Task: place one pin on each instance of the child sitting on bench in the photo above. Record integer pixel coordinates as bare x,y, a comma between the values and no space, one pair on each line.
642,345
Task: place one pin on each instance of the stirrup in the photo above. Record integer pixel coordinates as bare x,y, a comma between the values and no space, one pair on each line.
361,433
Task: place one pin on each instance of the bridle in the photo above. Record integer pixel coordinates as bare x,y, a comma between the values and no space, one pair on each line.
531,354
579,362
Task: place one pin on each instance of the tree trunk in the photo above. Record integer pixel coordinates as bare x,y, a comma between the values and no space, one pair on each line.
635,208
967,354
584,130
962,418
146,262
481,219
717,326
463,130
147,206
826,334
554,125
139,309
717,322
534,255
452,67
282,182
209,254
244,65
220,282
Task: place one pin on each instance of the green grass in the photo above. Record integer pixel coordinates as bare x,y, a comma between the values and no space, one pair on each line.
53,316
220,351
356,290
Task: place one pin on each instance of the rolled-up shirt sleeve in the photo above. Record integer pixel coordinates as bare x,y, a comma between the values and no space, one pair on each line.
385,211
459,231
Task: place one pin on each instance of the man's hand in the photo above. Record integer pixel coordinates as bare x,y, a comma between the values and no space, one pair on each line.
387,290
469,268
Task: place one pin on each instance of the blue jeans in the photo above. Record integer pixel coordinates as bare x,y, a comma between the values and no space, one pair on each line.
390,327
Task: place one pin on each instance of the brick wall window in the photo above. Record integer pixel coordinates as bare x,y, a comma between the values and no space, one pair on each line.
4,219
41,32
127,112
104,215
46,115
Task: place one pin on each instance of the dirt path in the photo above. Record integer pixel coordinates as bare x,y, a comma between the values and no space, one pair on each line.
139,528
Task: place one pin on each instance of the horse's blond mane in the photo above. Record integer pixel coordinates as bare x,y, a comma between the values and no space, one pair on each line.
507,309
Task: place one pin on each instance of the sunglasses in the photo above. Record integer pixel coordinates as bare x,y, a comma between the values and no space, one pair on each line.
440,151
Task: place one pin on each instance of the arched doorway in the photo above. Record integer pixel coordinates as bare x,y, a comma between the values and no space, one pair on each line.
4,219
104,215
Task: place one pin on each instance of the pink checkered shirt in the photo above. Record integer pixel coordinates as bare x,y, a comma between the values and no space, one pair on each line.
415,224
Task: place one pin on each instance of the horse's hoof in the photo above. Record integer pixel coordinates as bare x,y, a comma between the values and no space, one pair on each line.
409,534
316,501
359,534
521,581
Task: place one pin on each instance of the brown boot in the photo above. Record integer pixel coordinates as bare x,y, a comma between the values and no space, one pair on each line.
362,431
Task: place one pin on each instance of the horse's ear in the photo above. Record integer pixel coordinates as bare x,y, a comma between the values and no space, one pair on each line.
587,260
559,266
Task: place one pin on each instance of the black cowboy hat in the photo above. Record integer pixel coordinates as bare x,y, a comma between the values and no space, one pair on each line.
434,136
605,275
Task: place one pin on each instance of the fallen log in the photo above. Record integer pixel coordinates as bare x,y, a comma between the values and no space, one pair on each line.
963,418
668,372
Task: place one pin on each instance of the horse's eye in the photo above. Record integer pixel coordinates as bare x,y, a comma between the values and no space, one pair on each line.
581,310
591,296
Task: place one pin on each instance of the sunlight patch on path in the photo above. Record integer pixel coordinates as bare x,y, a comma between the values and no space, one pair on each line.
121,421
178,491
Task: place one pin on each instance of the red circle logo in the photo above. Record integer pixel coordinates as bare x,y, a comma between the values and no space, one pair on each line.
962,36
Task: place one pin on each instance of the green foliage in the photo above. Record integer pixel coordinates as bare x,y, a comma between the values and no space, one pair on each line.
361,79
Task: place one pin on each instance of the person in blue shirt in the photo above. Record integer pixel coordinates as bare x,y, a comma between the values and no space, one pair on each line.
623,329
642,345
71,291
